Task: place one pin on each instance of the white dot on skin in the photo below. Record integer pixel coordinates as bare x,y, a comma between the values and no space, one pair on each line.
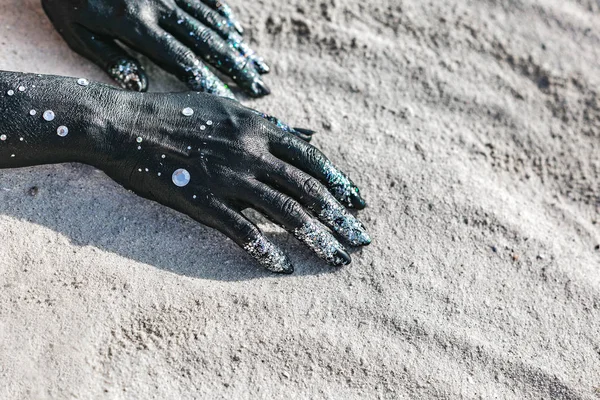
163,156
202,127
188,112
194,196
146,169
12,155
189,147
21,139
83,82
3,137
21,88
139,169
159,174
139,147
139,140
181,177
48,115
209,122
32,112
62,131
10,92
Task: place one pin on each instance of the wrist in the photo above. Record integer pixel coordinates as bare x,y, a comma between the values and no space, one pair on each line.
50,119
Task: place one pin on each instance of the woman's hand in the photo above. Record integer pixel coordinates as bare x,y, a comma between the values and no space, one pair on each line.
175,34
206,156
211,158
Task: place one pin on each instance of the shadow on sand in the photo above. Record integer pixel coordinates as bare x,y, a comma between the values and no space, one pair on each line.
84,205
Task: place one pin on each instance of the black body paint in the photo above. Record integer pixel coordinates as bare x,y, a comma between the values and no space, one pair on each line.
175,34
206,156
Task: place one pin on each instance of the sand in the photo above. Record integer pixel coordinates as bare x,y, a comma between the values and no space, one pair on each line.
473,129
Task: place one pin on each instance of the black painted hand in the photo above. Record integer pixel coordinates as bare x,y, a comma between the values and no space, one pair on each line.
206,156
210,158
175,34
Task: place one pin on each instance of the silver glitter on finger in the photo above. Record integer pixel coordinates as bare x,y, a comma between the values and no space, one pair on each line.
236,42
345,224
323,243
201,79
226,11
340,185
128,75
268,255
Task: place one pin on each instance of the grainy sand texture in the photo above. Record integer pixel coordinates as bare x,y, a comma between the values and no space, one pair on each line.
473,129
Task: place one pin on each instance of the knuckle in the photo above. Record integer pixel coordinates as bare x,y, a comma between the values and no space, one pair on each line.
288,207
313,155
311,186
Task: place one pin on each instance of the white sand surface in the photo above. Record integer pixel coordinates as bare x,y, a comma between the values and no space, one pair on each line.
473,129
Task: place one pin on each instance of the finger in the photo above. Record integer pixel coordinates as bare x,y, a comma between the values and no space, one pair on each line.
215,50
223,9
308,158
104,52
288,213
207,16
314,196
247,235
175,58
219,24
307,132
304,134
236,41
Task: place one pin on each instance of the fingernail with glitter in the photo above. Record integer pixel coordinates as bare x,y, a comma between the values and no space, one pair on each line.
269,256
261,65
345,224
226,11
342,187
237,42
323,243
129,75
236,24
258,88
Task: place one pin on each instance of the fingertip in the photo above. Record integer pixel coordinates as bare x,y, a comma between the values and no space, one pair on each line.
261,66
357,201
308,132
363,239
258,88
142,84
286,271
129,74
269,256
238,26
323,243
341,257
345,224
